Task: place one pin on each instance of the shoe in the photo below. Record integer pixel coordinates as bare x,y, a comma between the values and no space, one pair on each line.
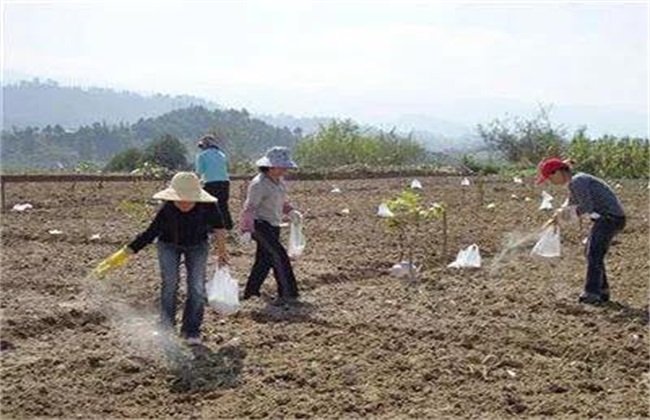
247,296
193,341
604,296
591,299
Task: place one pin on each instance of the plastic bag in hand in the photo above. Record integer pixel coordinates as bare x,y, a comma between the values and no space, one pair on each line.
223,292
548,244
297,240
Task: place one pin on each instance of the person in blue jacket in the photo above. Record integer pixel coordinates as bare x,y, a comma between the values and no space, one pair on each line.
211,165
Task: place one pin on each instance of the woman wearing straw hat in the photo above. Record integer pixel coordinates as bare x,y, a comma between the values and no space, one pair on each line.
260,219
181,226
211,165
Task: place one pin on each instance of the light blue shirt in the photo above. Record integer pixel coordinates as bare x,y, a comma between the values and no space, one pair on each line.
212,165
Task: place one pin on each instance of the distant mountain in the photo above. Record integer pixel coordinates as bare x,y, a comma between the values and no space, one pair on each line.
306,125
37,103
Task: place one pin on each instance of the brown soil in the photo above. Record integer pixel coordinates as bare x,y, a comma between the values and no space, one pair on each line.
504,340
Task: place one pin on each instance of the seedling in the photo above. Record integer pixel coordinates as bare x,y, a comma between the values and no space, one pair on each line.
409,216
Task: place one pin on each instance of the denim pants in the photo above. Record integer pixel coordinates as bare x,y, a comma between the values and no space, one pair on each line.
270,254
195,258
600,238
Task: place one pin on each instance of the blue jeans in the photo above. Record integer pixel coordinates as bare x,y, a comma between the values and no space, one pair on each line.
169,258
600,237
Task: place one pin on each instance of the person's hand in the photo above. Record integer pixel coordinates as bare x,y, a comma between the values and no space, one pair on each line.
223,259
567,214
245,238
295,216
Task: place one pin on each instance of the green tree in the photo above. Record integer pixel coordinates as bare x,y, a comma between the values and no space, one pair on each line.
125,161
167,151
342,143
524,141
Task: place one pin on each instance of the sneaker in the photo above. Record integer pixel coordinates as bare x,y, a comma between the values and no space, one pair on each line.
591,299
193,341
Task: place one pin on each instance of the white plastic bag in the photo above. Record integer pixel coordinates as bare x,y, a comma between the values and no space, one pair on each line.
403,269
223,292
22,207
297,240
336,190
546,201
465,182
416,185
517,180
468,257
384,211
548,244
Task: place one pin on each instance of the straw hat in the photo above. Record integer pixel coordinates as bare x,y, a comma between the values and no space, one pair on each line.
185,186
277,157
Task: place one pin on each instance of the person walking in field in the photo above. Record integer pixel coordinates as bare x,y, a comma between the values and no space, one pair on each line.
181,227
591,196
211,164
265,205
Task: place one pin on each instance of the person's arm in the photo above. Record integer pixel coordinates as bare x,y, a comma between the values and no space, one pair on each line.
580,196
152,232
253,200
199,166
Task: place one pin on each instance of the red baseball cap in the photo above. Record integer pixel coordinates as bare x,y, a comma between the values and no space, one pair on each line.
548,166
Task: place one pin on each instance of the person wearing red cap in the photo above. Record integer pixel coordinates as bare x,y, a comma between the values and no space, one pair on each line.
591,196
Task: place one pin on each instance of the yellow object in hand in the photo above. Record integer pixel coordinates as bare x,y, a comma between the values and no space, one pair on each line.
118,259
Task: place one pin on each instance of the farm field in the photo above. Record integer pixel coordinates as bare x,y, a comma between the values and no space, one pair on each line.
508,339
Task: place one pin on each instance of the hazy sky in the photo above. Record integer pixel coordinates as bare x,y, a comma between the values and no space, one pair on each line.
353,58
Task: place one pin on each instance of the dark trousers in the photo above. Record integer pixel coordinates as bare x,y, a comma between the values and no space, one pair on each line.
270,254
600,238
221,190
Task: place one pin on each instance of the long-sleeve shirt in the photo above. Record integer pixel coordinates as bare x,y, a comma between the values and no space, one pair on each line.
180,228
592,195
212,165
266,200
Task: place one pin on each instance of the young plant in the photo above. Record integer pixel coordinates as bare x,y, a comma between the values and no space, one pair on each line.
409,216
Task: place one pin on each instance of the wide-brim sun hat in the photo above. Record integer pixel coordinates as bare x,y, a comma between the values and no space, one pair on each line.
185,186
548,166
276,157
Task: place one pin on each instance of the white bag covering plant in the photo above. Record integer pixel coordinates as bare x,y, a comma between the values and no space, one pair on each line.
384,211
465,182
336,190
469,257
517,180
223,292
548,245
297,241
404,269
416,185
547,201
22,207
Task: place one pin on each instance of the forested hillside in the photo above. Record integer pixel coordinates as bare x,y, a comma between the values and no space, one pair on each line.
53,147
